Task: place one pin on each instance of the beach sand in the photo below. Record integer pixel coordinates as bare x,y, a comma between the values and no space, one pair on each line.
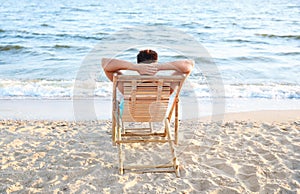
250,152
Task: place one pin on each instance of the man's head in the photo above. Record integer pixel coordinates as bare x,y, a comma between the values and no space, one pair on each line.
147,56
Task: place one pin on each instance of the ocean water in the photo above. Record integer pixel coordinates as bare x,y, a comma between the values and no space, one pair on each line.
254,45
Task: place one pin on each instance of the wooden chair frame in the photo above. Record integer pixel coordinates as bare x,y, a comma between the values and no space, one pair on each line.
120,135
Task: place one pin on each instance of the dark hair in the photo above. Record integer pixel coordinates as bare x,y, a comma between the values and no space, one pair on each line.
147,56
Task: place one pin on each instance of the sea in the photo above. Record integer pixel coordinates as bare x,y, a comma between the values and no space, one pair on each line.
251,49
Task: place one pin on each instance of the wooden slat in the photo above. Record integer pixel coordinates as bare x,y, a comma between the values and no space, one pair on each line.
148,104
146,101
132,167
151,103
145,107
142,98
137,129
146,110
140,116
143,134
149,78
142,141
142,119
146,91
146,94
147,84
145,114
137,114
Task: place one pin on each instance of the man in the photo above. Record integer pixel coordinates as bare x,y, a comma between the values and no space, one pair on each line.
146,65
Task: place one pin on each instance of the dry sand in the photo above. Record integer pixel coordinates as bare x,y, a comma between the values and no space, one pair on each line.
256,152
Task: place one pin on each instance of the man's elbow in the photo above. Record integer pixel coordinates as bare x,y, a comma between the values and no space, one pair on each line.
188,66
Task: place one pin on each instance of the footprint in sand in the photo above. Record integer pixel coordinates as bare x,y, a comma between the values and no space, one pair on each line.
222,166
247,174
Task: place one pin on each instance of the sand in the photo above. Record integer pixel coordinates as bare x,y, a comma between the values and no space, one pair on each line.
253,152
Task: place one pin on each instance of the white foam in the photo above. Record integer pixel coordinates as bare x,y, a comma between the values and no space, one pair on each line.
64,89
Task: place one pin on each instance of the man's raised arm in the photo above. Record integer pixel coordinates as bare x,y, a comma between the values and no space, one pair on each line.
183,66
111,66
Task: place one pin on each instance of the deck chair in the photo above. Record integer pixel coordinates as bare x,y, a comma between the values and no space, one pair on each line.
146,99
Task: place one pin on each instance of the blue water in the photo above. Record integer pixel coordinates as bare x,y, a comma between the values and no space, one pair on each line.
254,44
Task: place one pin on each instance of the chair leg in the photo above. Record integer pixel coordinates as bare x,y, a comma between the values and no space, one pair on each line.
177,169
114,128
171,143
121,165
122,126
151,127
120,151
176,122
165,131
115,123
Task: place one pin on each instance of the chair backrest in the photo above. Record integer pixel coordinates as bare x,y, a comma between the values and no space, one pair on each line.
146,98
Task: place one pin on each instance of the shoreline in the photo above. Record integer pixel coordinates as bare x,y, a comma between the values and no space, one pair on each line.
270,116
100,109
